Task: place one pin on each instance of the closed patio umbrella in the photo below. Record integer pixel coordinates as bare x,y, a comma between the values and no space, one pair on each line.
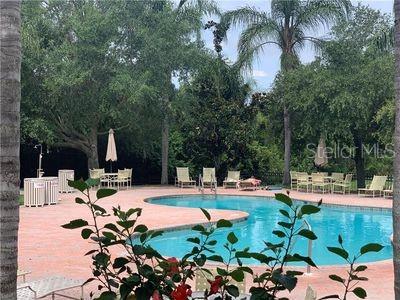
111,148
321,158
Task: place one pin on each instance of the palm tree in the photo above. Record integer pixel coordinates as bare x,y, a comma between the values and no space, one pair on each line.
10,24
396,167
287,27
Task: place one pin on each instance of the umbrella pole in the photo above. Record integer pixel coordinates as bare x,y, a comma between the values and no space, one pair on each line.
111,166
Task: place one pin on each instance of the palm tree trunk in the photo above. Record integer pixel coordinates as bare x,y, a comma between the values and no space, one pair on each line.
396,167
164,150
10,69
288,144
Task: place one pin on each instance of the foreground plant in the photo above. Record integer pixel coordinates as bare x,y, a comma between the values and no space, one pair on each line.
277,276
350,283
142,273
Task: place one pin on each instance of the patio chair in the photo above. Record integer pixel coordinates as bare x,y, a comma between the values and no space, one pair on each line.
232,179
49,286
337,177
303,180
209,179
293,179
318,182
387,193
377,186
202,285
183,178
129,174
344,185
121,180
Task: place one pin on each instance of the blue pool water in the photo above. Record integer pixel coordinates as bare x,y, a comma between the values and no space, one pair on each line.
357,227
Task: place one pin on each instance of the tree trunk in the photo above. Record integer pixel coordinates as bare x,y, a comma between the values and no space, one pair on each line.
359,160
93,154
164,150
288,143
396,167
10,69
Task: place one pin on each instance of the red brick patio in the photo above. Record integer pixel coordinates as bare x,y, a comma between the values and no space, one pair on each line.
45,248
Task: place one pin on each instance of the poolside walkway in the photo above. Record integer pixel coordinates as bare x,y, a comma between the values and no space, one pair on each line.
47,249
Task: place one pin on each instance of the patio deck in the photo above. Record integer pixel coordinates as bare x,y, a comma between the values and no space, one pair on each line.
47,249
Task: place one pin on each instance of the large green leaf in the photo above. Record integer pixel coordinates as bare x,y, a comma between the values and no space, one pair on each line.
284,199
75,224
360,292
206,213
308,209
80,185
307,234
102,193
339,251
232,238
372,247
223,223
336,278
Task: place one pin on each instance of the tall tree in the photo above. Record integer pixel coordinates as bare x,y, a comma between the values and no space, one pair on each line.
81,87
396,190
286,26
10,41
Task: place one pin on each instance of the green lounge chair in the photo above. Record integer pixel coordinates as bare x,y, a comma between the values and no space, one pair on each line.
303,181
376,187
342,186
318,182
209,179
183,178
232,179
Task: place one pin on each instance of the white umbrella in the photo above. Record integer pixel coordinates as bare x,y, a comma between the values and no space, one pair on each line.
321,158
111,149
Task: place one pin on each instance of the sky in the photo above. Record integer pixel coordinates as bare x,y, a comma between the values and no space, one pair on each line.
267,65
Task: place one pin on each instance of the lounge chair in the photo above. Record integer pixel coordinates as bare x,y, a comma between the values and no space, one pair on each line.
209,179
344,185
49,286
387,193
318,182
183,179
303,180
232,179
250,184
377,186
293,179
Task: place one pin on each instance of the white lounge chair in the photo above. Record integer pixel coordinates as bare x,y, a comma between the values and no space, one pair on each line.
183,178
342,186
49,286
377,186
209,179
232,179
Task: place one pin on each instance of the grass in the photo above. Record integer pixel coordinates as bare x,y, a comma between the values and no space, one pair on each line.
21,199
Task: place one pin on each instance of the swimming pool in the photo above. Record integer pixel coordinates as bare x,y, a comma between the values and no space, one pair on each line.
357,227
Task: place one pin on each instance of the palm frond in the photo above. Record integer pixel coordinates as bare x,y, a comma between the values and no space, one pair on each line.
254,38
321,12
243,17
